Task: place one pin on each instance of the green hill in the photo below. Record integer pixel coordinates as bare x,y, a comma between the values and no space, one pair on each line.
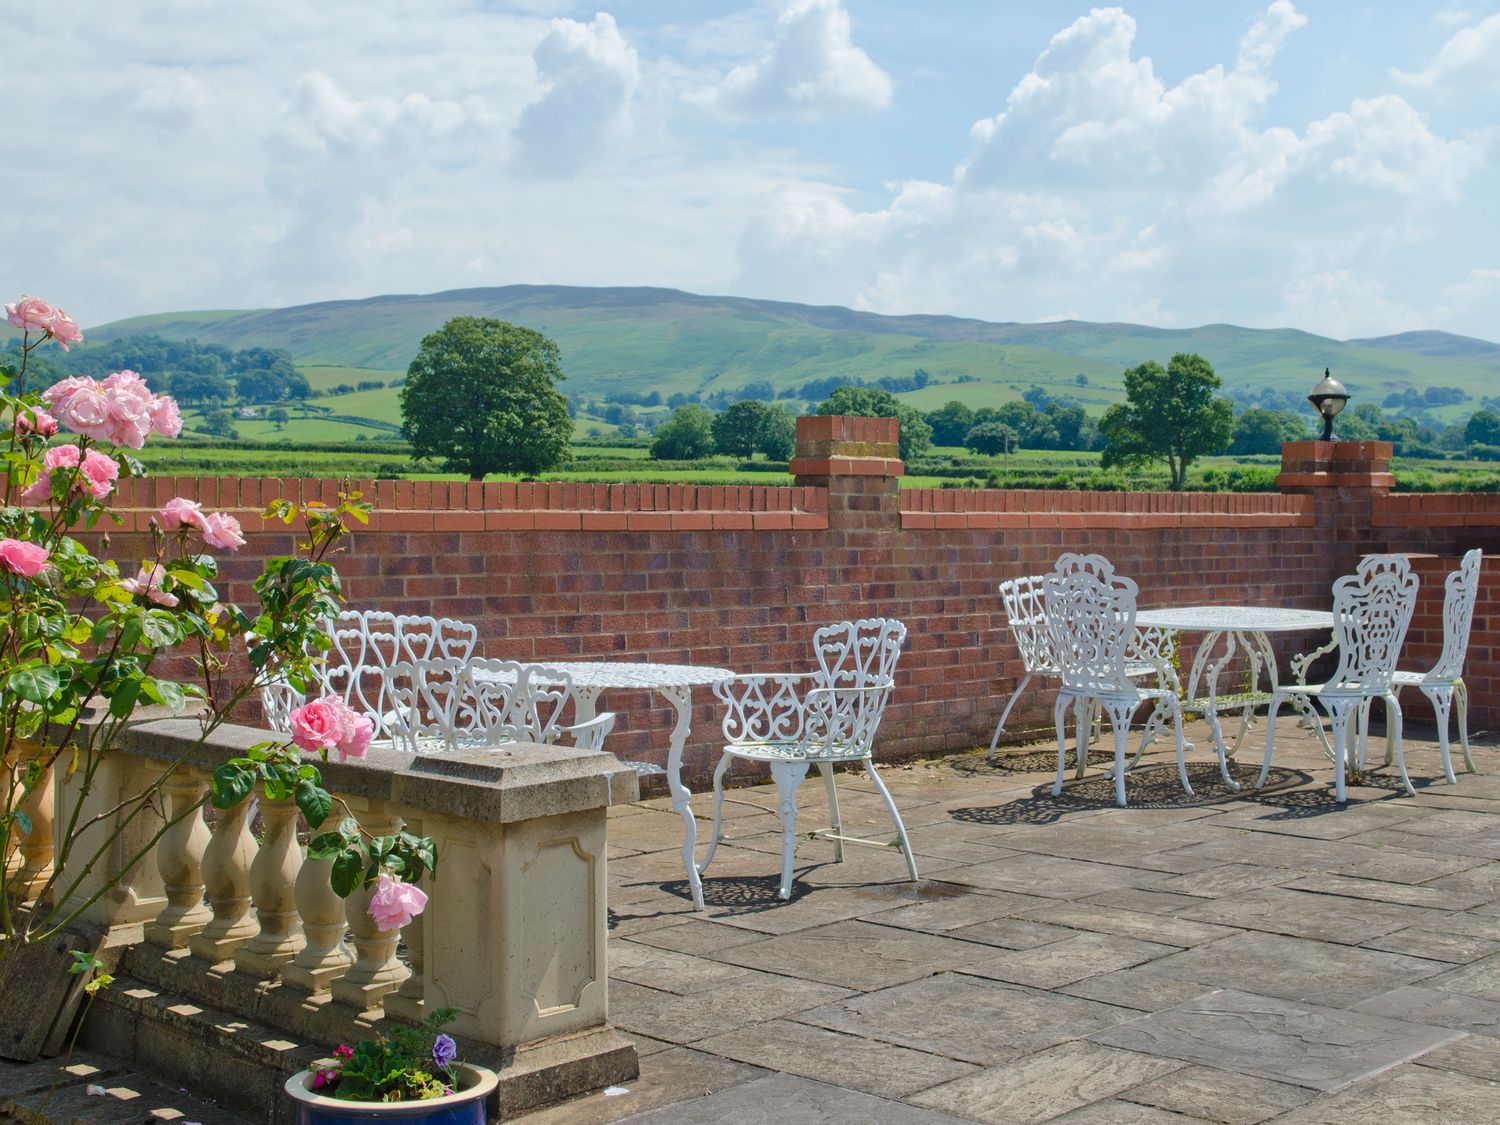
634,340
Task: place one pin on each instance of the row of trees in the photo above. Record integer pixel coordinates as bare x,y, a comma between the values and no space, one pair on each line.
482,396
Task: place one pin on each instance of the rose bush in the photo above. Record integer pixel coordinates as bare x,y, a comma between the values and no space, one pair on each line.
82,646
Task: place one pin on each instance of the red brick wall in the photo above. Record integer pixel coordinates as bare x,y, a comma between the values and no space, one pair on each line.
740,576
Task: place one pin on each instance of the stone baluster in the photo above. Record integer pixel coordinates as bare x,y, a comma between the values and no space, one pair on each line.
376,971
407,1002
179,858
226,877
324,923
273,878
28,859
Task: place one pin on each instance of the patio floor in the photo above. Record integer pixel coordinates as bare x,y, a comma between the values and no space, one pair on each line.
1228,958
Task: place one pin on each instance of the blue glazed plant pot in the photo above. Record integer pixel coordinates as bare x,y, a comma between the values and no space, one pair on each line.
464,1107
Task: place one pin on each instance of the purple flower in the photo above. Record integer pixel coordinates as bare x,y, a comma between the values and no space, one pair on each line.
444,1050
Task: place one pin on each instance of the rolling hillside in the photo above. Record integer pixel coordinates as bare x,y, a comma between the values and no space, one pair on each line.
643,339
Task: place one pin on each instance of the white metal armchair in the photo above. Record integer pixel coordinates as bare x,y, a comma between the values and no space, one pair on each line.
1090,616
1444,683
792,722
447,704
1372,609
1149,654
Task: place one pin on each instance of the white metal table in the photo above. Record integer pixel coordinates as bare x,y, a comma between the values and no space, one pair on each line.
674,683
1227,630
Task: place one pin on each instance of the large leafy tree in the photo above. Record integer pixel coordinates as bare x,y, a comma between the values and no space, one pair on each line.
1259,430
950,422
686,436
1169,414
751,426
482,396
872,402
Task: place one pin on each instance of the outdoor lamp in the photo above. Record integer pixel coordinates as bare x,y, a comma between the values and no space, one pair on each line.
1328,398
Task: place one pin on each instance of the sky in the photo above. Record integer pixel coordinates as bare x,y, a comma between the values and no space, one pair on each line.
1326,165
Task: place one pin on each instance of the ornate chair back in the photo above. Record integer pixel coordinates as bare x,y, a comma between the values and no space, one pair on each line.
1090,615
1022,598
1372,609
856,671
449,704
1460,594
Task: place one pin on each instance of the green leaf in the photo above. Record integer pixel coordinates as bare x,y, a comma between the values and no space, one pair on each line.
166,693
123,698
325,845
347,869
34,685
231,784
314,801
161,629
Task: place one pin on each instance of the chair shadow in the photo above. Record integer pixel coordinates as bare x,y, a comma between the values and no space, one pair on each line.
1146,787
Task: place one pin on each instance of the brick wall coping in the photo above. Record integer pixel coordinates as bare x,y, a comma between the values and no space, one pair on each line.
438,505
1437,509
1020,508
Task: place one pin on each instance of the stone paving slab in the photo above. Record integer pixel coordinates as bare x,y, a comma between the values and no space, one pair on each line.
1413,1093
1202,1093
1302,914
1043,1086
1436,1007
790,1100
1322,1048
1297,969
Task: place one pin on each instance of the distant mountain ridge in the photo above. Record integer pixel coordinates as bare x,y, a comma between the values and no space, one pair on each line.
635,339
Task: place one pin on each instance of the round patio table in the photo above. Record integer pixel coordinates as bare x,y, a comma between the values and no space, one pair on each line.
674,683
1227,630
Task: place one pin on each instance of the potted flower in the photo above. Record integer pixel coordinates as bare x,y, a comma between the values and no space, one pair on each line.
412,1077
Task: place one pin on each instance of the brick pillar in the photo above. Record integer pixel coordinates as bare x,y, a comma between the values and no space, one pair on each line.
858,460
1343,477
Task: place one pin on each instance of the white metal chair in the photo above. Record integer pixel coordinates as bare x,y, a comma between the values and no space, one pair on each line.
365,645
795,721
1372,609
1090,617
1149,654
447,704
1443,684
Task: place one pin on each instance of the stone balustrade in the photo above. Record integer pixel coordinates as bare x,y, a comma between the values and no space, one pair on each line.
228,910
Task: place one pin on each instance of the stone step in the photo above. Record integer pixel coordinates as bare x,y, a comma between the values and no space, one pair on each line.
88,1088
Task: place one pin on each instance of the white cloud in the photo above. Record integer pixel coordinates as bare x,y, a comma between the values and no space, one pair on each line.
1476,298
811,69
1472,55
1100,184
590,74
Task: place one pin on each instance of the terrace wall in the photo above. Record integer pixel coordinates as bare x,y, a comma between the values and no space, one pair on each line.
739,576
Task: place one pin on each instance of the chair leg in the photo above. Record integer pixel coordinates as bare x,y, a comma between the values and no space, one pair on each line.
1011,702
713,843
1442,707
826,768
1339,715
1362,730
787,775
1271,710
890,804
1119,721
1083,723
1059,709
1461,698
1393,719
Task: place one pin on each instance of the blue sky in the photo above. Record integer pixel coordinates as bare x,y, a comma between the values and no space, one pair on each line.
1324,165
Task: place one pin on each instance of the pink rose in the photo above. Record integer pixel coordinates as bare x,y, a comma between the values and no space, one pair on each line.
35,420
86,411
394,903
165,419
64,456
148,584
356,741
129,404
23,558
99,473
31,314
222,532
65,332
181,513
62,390
320,725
